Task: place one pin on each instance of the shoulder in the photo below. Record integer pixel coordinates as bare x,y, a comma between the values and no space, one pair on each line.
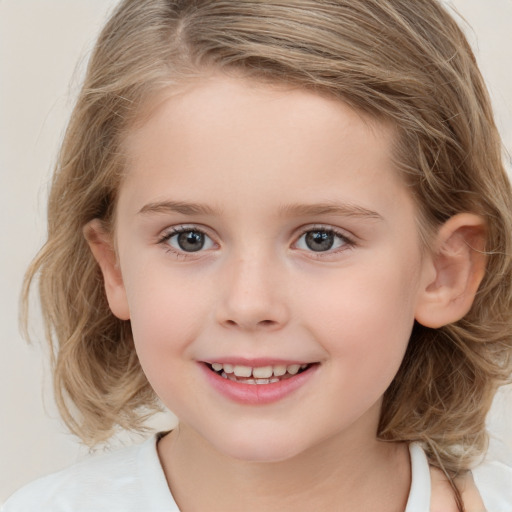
130,479
494,481
478,496
79,486
487,487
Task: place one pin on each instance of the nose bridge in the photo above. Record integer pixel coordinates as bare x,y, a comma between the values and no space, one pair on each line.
252,297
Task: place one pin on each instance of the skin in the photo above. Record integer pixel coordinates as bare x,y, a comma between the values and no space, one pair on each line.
253,157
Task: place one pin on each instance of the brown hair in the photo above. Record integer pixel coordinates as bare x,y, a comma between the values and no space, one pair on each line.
401,61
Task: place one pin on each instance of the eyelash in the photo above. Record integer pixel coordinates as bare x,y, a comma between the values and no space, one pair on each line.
347,241
168,235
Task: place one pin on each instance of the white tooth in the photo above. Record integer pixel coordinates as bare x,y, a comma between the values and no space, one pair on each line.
263,372
228,368
217,366
223,374
275,379
232,377
303,366
242,371
262,381
293,369
250,381
279,370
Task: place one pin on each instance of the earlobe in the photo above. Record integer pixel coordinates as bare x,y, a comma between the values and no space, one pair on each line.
458,261
104,253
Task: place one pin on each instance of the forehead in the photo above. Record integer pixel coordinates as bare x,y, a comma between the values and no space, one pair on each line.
240,138
213,97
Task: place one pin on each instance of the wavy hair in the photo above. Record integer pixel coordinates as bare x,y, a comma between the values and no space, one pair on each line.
404,62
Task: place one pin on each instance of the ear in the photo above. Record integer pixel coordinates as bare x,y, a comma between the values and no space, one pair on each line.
458,263
102,248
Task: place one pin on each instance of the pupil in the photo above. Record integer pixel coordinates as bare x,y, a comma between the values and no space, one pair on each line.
191,241
319,240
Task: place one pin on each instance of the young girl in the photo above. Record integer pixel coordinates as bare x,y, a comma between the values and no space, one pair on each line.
289,222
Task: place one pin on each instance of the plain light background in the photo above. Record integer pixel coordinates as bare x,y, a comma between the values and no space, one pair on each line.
44,45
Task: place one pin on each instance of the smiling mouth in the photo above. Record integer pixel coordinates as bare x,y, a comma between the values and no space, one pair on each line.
258,375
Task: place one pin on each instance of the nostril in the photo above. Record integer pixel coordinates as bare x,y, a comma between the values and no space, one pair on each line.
261,323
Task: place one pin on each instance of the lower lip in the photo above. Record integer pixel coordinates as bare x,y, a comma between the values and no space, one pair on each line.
257,394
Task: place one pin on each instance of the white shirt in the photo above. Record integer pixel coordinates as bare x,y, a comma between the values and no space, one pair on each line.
492,479
132,480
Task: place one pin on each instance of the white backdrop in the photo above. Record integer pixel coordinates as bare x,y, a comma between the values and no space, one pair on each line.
41,42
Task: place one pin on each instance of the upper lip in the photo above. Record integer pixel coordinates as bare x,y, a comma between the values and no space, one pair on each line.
256,362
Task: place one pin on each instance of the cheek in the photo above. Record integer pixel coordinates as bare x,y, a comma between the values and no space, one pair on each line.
364,320
164,313
165,325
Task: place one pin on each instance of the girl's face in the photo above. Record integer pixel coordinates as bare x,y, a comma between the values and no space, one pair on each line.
263,230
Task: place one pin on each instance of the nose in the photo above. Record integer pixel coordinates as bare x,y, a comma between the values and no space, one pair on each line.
253,295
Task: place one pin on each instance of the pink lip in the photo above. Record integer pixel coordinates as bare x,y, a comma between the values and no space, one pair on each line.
256,362
257,394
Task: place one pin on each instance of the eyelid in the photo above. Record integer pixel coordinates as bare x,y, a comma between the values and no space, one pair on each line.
172,231
181,228
342,232
349,238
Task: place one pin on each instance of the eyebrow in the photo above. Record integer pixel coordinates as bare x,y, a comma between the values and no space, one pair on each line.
334,208
299,210
185,208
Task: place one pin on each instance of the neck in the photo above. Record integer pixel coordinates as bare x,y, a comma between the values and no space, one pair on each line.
343,473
